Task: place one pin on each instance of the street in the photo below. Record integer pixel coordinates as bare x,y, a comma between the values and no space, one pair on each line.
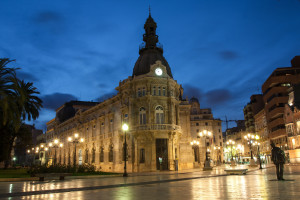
257,184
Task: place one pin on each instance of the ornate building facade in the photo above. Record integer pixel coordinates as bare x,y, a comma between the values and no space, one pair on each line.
161,123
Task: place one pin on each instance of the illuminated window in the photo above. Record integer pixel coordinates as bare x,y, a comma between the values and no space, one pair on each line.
159,115
142,115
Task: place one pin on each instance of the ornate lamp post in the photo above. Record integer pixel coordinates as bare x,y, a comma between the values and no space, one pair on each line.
206,135
55,145
125,128
258,153
231,143
218,154
75,141
239,149
251,139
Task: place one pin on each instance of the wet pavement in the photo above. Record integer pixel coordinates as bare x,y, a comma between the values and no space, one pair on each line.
190,184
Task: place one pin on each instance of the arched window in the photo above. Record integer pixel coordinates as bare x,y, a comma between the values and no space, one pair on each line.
142,115
111,153
93,155
159,115
101,154
159,91
86,156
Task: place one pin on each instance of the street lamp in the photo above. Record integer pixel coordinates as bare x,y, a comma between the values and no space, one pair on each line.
218,154
239,149
231,143
258,153
125,128
55,145
251,139
75,141
206,134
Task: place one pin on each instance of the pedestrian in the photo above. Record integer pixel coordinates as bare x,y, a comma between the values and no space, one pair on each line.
278,158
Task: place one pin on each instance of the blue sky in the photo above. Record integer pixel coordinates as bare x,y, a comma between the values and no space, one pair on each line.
220,51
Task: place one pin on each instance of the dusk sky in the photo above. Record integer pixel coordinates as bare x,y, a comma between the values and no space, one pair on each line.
220,51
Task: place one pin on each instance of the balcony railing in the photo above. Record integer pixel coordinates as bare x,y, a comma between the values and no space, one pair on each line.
169,127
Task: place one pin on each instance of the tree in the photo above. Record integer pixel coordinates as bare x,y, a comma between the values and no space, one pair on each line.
18,101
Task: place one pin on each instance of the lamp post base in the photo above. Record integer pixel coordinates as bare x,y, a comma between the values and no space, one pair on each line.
207,166
252,163
125,174
233,163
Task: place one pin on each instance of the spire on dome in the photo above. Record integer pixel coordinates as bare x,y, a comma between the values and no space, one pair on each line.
150,37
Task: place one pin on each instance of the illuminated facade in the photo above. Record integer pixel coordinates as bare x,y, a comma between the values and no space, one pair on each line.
275,95
161,123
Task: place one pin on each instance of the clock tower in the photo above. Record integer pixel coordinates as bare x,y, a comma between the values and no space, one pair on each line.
150,51
153,100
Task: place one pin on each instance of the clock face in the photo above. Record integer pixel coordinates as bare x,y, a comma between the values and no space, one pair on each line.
158,71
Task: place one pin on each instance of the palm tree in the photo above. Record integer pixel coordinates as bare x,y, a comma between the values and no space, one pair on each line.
18,101
7,75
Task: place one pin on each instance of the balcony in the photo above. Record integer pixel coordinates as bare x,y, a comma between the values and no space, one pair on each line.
276,111
154,127
277,133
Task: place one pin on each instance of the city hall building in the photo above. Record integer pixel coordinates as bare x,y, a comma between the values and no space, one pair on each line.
164,128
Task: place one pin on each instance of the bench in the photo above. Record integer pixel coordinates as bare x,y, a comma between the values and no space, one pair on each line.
60,175
236,171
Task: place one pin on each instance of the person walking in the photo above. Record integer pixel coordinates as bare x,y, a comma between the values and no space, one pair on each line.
278,158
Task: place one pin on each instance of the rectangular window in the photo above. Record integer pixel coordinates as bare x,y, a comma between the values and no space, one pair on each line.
139,92
102,155
159,92
144,118
164,91
111,125
102,128
162,118
142,155
154,91
144,92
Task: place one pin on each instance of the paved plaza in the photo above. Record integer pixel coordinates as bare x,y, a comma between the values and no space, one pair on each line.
193,184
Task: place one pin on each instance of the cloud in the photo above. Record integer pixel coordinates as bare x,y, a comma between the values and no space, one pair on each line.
26,76
47,17
218,96
191,91
55,100
228,55
106,96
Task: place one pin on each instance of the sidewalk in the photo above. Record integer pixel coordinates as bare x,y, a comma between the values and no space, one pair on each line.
217,170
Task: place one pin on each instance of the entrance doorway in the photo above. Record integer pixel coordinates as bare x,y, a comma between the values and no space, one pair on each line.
162,154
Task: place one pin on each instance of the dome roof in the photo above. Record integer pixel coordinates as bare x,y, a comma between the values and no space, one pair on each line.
147,58
194,99
150,51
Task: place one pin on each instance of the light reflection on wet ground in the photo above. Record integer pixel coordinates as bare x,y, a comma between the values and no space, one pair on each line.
254,185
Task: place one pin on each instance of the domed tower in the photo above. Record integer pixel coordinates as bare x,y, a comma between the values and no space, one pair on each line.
150,51
153,99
